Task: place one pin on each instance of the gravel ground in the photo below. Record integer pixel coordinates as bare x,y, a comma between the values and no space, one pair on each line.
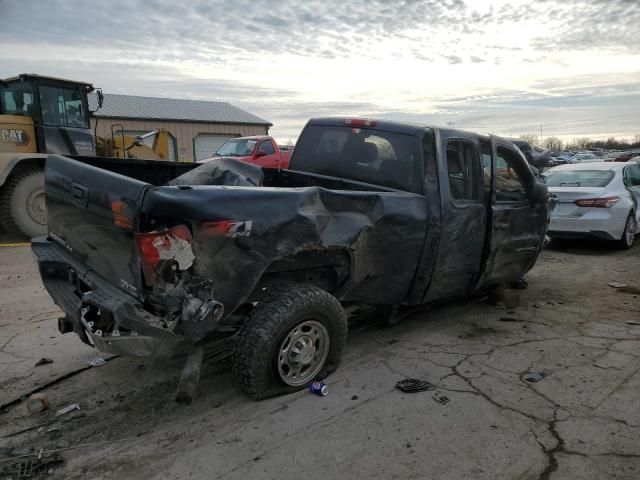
485,419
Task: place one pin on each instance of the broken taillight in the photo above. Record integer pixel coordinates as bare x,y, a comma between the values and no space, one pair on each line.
600,202
121,215
172,244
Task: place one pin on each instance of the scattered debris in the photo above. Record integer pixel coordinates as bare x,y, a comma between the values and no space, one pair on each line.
67,409
534,377
29,466
43,361
617,284
97,362
190,377
510,319
632,322
355,397
37,402
520,284
633,290
319,388
412,385
441,399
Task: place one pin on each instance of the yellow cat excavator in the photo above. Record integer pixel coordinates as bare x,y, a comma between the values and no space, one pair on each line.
40,115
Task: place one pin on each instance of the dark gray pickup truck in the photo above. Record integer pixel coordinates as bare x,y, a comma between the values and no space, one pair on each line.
146,257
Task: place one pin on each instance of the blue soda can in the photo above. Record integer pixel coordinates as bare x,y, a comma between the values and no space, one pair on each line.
319,388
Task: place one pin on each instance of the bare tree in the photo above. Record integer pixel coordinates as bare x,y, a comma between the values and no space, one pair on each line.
553,143
580,143
530,138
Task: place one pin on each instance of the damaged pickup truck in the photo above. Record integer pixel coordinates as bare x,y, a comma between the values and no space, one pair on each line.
146,256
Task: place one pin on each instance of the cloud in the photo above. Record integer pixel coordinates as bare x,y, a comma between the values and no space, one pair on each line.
569,64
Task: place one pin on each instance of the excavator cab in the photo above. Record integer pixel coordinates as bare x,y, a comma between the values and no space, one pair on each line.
41,114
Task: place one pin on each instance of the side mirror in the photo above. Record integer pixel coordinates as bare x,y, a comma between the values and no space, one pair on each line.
260,153
539,193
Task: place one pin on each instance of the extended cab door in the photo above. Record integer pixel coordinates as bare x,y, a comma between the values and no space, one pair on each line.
517,222
463,216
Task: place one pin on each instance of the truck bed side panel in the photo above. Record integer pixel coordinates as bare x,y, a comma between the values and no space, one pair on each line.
383,232
92,214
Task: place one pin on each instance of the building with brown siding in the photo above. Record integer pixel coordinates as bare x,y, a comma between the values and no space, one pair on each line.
197,128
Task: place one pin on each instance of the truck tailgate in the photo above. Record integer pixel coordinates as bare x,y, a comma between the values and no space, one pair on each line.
92,213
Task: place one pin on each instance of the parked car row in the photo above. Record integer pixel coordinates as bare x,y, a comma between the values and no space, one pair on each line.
564,158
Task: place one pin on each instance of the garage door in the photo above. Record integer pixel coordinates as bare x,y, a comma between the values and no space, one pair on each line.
206,144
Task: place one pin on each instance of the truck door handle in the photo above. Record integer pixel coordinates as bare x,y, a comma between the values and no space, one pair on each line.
80,194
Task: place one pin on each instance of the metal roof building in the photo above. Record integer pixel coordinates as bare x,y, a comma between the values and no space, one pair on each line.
197,128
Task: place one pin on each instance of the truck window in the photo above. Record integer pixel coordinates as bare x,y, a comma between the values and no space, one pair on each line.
62,107
509,186
373,156
462,169
267,147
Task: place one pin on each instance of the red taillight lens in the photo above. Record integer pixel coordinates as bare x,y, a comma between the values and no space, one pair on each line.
359,122
600,202
170,244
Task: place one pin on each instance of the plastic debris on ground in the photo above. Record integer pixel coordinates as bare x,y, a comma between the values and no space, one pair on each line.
43,361
67,409
534,377
37,403
36,465
97,362
617,284
441,399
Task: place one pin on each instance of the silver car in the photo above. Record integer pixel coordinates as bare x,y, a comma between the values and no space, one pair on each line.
599,199
585,158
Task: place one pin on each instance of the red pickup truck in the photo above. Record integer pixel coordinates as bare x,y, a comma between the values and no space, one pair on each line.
260,150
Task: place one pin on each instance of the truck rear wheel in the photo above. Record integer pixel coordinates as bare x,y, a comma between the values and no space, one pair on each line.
22,204
289,341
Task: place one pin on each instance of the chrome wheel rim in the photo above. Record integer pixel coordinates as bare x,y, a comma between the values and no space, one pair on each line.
36,206
302,352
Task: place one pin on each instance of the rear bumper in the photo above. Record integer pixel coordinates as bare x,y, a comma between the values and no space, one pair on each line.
102,315
598,222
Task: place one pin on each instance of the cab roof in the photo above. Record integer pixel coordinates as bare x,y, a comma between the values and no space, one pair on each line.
407,128
26,76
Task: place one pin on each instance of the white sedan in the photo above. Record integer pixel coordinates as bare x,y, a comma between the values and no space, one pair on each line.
585,158
599,199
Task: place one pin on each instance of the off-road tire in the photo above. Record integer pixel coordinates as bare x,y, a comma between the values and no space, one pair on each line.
13,200
253,364
624,242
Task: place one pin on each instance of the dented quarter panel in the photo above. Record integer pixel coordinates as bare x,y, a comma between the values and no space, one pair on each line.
382,231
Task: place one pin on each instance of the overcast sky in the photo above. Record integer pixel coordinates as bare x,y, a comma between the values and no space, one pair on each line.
502,66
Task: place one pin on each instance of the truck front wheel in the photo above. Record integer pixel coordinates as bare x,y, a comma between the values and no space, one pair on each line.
22,204
289,341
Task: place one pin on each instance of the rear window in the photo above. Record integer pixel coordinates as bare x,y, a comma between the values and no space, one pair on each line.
366,155
579,178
